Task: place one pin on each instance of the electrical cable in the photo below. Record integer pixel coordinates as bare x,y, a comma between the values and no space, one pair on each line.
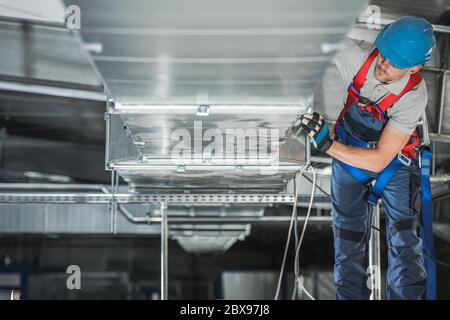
294,208
296,185
298,241
318,187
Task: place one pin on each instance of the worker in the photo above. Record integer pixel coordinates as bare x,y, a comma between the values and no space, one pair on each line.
378,149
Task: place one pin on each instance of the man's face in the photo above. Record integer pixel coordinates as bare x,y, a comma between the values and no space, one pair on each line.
385,72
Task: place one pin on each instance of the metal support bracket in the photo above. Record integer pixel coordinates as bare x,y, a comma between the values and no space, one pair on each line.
164,253
113,200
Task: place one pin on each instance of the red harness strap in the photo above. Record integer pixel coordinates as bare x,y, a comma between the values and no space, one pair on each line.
355,86
381,107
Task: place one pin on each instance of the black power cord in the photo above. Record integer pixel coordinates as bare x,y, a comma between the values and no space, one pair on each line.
317,186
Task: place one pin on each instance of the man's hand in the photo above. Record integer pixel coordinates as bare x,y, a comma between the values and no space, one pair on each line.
314,125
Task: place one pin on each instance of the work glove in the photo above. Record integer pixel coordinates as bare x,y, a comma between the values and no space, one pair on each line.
315,126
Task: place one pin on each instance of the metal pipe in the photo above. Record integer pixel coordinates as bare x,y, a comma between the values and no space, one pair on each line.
51,186
104,189
131,217
107,117
432,70
442,100
217,219
116,185
321,159
164,253
437,28
433,163
213,220
375,255
113,201
440,178
307,150
442,82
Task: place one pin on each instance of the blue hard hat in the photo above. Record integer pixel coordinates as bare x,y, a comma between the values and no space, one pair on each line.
406,42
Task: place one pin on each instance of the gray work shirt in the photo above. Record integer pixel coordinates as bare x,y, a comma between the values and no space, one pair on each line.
407,112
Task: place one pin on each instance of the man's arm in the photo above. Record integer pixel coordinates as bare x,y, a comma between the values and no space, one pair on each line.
391,143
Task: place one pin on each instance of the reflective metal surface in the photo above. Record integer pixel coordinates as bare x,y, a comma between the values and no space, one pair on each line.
52,102
207,179
209,238
432,10
42,54
258,51
252,64
93,198
43,10
155,128
243,142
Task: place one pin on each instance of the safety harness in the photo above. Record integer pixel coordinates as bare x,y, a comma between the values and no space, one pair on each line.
414,150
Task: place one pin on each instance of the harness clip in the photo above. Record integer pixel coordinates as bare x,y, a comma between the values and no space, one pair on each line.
372,144
404,159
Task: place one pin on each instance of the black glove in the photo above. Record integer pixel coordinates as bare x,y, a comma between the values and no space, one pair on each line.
315,126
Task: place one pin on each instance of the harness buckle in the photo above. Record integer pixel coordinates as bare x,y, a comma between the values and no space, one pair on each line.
419,150
364,101
372,144
404,159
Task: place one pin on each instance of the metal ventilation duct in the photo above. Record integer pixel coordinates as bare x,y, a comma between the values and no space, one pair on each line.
216,52
52,101
225,65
